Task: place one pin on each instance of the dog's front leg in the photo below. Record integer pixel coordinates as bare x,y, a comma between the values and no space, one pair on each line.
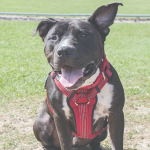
63,130
116,129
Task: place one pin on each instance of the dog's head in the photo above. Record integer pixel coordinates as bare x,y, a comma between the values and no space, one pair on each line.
75,48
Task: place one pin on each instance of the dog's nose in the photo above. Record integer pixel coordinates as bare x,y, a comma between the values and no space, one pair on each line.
64,51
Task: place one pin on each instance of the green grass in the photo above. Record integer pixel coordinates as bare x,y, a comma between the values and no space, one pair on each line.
24,69
22,61
128,50
71,6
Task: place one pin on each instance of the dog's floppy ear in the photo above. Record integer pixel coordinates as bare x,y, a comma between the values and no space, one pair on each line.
43,27
104,16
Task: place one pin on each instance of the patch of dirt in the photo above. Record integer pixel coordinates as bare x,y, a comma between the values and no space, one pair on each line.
142,110
16,128
136,133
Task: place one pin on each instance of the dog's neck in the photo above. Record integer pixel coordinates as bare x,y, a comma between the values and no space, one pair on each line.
92,78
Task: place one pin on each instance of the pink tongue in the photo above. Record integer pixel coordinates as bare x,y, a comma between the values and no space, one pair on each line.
70,76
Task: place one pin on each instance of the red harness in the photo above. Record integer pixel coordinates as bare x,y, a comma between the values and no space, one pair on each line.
83,101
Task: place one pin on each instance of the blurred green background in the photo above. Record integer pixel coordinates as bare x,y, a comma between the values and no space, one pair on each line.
71,6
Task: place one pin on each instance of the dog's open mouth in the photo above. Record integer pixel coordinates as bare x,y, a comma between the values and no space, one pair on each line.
68,76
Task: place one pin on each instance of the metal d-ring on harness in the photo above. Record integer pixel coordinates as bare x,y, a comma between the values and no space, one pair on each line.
82,102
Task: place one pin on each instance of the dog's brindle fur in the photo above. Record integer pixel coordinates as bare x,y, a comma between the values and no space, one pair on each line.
76,43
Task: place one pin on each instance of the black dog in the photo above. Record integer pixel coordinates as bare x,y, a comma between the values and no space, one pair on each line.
71,116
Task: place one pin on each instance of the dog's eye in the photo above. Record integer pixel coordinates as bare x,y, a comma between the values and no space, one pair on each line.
83,35
54,37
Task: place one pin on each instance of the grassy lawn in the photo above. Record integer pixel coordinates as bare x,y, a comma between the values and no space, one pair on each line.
71,6
23,69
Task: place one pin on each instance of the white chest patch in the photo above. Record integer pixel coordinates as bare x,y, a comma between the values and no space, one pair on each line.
104,101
